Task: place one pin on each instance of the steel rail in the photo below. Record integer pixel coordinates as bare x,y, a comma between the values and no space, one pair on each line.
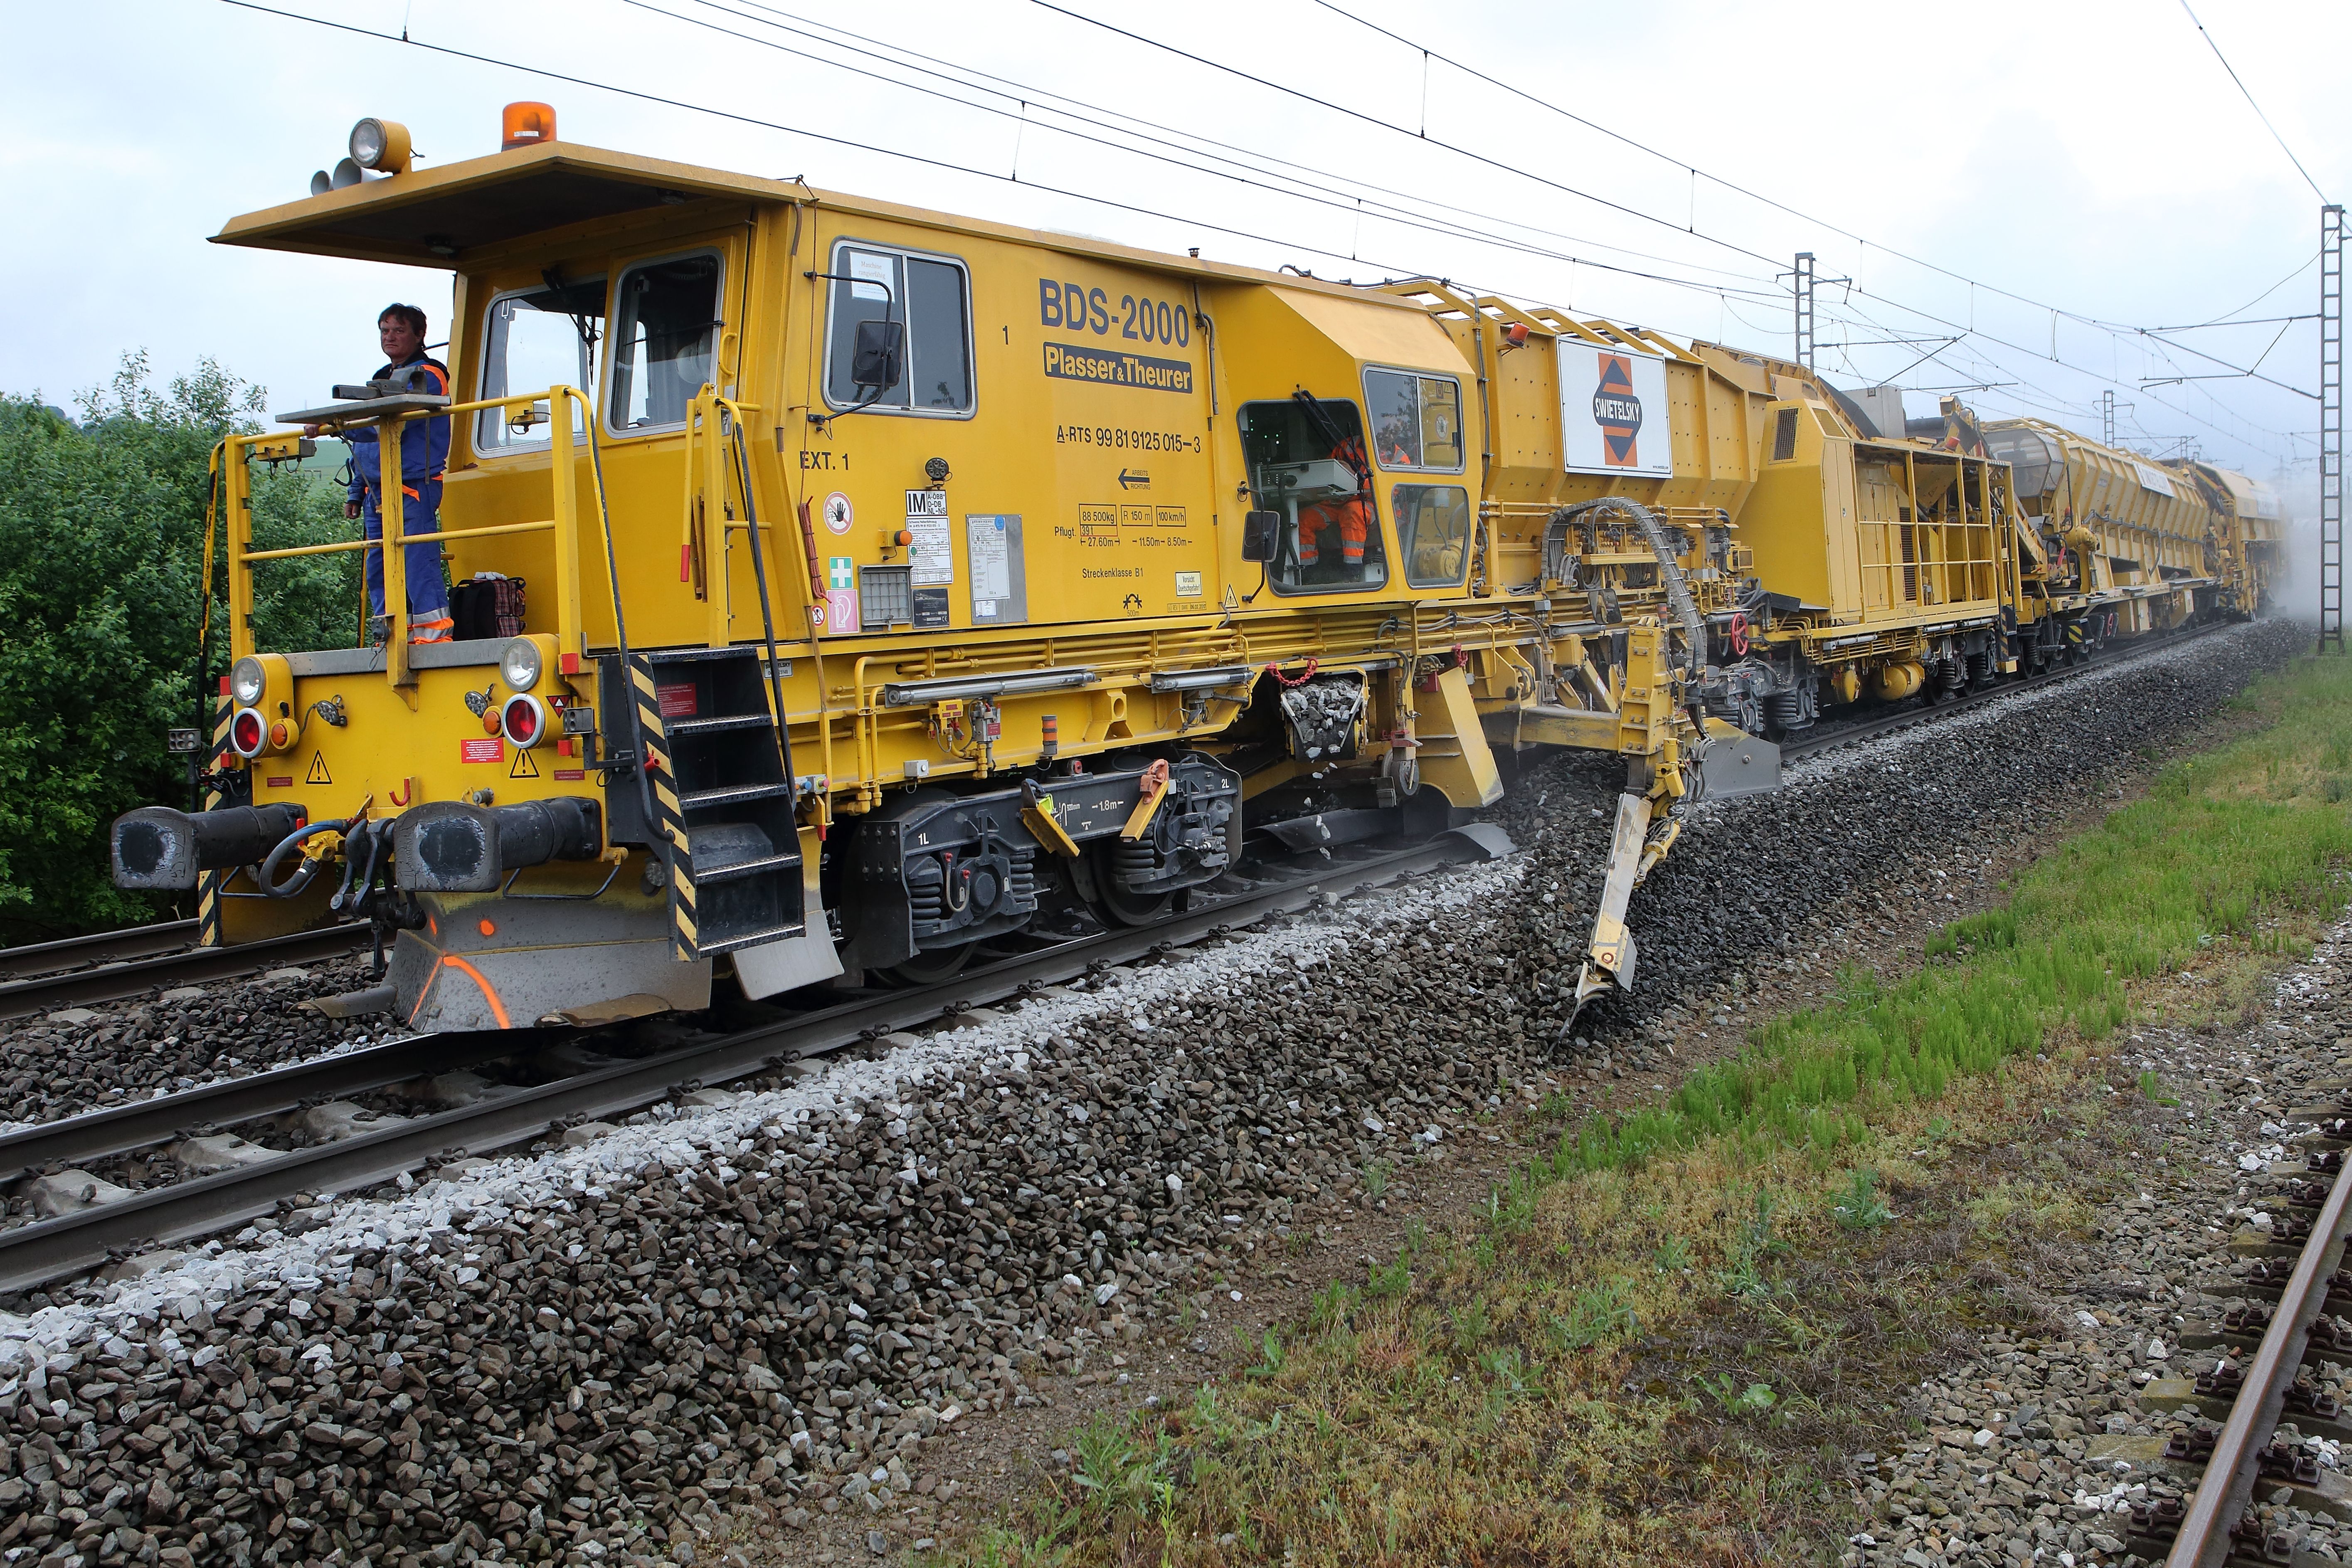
99,947
71,1243
114,981
1871,728
2228,1485
117,1129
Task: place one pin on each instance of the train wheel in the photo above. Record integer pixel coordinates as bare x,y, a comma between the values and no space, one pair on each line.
930,967
1122,907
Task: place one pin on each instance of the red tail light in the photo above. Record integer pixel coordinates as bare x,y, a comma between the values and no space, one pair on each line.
246,732
524,719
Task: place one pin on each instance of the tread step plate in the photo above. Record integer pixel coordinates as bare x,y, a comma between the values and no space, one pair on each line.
710,726
732,871
731,796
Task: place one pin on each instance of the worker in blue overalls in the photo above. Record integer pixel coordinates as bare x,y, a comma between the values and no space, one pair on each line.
423,454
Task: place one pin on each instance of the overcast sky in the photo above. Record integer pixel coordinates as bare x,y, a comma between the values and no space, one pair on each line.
2091,156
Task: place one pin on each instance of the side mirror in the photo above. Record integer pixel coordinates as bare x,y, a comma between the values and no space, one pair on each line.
880,355
1260,530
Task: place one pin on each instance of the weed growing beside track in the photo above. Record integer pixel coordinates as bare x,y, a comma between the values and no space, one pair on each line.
1657,1338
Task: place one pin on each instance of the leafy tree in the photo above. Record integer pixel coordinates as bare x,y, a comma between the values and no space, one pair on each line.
101,545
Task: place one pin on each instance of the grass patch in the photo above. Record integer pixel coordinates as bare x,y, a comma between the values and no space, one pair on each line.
1655,1338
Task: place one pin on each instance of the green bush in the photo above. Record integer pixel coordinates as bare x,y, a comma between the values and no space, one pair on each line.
101,540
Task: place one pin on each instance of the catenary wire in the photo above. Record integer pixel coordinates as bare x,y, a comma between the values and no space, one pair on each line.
1204,225
1047,99
1314,249
2118,330
2252,105
1388,213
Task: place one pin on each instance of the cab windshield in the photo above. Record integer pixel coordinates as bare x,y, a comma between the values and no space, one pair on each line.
535,339
665,330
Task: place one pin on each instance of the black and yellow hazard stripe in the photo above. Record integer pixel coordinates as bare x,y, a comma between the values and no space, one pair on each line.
209,884
668,825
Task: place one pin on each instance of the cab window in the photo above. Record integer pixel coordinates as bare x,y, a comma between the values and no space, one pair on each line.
1416,419
930,297
531,340
1307,463
664,340
1433,525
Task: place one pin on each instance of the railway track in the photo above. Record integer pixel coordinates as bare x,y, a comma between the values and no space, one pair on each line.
111,965
1820,739
74,1242
2243,1402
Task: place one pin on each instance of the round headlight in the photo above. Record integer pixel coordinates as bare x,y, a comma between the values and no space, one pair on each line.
380,145
525,721
246,732
246,683
518,665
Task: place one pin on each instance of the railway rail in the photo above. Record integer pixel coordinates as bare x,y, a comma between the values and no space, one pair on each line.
111,965
2217,1524
75,1242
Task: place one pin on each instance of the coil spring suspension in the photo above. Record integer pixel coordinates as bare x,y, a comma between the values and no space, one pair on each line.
1024,877
1979,669
928,900
1787,709
1951,675
1134,863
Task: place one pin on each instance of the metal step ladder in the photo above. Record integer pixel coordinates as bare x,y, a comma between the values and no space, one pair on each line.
720,770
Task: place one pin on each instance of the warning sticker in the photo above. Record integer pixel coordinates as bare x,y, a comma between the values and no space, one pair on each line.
838,514
318,774
492,750
279,781
569,775
676,701
524,768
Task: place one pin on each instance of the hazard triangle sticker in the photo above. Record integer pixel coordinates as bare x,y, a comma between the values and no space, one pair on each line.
318,774
524,768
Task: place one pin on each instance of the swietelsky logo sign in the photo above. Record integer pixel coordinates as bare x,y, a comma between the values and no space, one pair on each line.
1617,410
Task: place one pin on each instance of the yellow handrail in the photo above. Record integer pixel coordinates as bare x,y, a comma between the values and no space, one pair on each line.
570,632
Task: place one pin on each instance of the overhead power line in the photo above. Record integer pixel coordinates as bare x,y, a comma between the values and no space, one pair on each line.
1317,249
2252,105
1202,225
1713,179
1454,148
2120,333
1251,175
2118,330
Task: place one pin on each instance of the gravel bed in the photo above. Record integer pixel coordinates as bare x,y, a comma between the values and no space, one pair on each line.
81,1058
1748,871
2039,1447
794,1298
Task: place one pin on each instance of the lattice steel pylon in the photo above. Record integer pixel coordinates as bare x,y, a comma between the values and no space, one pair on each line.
1805,308
2331,429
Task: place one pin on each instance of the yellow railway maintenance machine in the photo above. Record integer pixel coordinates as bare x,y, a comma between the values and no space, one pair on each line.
2113,545
898,582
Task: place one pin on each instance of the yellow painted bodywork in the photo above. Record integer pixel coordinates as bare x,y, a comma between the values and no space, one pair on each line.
1131,498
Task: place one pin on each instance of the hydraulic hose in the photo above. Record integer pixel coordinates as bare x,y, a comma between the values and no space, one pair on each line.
309,869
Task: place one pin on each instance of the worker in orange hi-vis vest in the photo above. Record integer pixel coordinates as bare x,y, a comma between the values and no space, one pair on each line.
1349,516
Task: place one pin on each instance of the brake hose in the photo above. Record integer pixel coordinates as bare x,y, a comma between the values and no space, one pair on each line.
302,878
